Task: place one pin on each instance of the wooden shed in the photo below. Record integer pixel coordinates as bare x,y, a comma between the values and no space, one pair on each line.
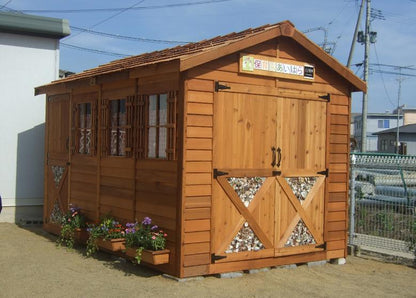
237,146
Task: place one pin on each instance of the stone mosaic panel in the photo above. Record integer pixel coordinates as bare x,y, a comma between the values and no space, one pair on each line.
58,172
300,236
56,214
245,240
246,187
301,186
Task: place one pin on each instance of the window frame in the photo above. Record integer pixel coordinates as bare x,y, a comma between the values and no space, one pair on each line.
81,99
170,126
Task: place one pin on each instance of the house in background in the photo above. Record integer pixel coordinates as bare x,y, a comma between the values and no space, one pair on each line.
29,51
407,137
375,122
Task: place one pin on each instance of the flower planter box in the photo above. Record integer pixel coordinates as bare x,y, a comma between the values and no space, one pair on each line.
52,228
81,236
111,245
154,257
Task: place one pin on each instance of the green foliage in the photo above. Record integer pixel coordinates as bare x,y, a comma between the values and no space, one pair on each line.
69,222
108,228
145,236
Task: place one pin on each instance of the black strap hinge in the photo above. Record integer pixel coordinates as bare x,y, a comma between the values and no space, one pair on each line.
326,97
219,86
219,173
276,173
215,257
325,172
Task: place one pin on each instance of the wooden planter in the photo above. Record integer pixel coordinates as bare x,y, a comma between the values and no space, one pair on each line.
111,245
154,257
81,236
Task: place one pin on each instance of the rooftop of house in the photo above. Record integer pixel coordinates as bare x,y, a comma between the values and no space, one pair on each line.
410,128
194,54
20,23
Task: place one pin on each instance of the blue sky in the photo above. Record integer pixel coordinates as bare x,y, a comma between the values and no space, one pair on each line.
396,38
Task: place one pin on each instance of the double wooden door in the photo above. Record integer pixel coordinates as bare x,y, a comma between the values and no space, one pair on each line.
57,157
269,169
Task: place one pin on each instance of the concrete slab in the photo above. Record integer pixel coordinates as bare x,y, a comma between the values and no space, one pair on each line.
235,274
317,263
254,271
339,261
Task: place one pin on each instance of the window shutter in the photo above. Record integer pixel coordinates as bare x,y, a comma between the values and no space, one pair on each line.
74,129
104,127
171,125
129,125
140,125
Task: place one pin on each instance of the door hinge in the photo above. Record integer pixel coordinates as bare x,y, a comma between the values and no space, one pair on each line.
323,245
219,86
219,173
276,173
215,257
325,172
326,97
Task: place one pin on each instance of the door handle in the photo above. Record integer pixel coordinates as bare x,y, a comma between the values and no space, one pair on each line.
279,156
273,156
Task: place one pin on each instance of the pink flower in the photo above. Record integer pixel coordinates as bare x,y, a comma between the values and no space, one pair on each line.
165,235
153,237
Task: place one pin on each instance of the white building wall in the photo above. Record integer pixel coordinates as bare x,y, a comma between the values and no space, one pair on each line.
26,62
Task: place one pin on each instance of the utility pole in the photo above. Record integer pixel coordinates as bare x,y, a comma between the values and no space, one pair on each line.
400,79
355,34
366,64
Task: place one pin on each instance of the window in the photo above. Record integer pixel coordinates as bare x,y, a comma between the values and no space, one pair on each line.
84,128
384,123
117,127
157,126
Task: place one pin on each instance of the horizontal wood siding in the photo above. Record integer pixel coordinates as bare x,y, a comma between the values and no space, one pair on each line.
197,176
117,188
83,181
338,157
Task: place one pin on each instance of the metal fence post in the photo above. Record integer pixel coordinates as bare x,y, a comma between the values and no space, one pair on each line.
352,200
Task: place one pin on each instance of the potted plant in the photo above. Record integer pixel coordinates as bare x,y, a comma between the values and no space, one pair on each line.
72,227
146,242
108,235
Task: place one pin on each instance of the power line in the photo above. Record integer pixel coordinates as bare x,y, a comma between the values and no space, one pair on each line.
120,9
382,77
125,37
108,18
94,50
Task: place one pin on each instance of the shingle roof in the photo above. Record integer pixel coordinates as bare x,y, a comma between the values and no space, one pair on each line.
166,54
191,54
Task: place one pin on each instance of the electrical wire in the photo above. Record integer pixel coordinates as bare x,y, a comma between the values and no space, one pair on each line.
120,9
4,5
124,37
108,18
94,50
382,78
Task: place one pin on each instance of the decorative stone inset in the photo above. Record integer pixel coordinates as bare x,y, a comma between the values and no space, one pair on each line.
246,187
56,214
58,172
300,236
301,186
245,240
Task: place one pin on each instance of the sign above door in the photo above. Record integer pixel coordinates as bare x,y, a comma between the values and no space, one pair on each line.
275,67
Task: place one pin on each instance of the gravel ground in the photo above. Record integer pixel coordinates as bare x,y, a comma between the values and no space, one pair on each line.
32,266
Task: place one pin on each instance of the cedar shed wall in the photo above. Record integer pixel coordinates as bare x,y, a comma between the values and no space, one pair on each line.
198,152
125,187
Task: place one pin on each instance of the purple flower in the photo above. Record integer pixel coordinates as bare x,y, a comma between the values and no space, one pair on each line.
130,225
155,227
147,221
